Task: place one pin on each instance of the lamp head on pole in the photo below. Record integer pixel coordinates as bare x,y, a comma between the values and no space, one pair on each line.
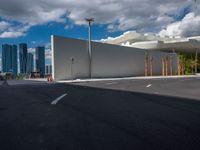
89,20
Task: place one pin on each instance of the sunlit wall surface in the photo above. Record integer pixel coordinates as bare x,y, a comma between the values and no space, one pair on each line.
70,60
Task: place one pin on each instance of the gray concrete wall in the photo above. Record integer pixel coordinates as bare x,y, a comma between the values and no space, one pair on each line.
63,50
107,60
116,61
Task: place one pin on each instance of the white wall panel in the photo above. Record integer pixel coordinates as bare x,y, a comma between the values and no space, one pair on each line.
107,60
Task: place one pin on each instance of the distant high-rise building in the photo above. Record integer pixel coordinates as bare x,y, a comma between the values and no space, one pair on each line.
48,69
40,60
29,66
9,58
23,57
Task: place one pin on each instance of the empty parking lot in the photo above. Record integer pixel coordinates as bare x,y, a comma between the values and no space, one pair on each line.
127,114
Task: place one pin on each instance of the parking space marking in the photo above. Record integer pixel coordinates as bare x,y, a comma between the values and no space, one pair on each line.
149,85
58,99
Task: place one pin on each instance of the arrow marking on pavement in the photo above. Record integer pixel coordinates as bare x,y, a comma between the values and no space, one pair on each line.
149,85
58,99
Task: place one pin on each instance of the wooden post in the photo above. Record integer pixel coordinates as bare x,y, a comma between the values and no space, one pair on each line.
183,68
166,65
178,65
151,65
171,71
163,66
146,64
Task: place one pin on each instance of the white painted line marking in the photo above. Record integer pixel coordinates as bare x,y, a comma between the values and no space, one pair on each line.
58,99
149,85
111,83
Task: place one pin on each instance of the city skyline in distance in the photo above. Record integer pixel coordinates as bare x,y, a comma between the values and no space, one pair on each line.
17,59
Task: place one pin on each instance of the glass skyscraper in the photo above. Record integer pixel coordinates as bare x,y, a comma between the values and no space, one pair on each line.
29,63
23,57
9,58
40,60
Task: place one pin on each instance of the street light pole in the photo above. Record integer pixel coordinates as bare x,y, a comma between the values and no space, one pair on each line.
90,20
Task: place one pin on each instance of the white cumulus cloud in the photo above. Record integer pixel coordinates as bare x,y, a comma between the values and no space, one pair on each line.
118,15
10,30
4,25
12,34
188,26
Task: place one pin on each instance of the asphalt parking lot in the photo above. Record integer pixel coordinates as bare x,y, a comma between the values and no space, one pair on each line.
175,87
128,114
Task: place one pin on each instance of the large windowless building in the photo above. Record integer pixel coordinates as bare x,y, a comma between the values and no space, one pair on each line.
131,54
71,60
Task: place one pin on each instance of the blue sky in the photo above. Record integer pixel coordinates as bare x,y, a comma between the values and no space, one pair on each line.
40,35
33,22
